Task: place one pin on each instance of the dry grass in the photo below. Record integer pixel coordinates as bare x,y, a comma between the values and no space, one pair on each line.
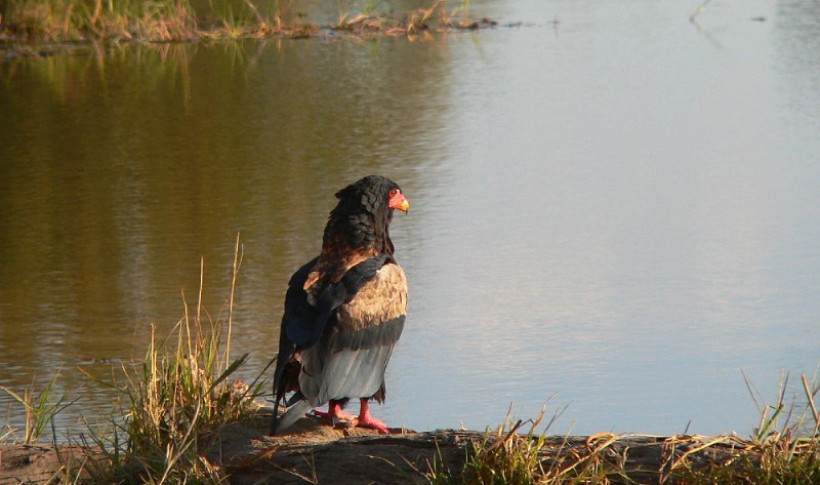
179,397
785,454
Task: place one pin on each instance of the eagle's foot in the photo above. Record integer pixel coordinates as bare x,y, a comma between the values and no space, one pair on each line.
336,415
366,420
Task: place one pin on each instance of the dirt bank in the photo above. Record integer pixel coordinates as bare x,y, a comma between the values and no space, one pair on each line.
317,453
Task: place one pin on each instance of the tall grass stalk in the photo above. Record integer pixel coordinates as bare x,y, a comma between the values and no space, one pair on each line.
237,263
811,390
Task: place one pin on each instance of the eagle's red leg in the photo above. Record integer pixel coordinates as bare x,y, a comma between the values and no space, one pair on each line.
366,420
335,413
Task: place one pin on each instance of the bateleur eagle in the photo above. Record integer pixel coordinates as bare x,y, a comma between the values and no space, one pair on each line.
344,311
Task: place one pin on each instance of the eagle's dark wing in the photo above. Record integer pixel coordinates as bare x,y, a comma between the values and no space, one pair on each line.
350,359
304,324
297,309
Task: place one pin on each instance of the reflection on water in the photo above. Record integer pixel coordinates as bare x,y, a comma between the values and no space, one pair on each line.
121,172
620,208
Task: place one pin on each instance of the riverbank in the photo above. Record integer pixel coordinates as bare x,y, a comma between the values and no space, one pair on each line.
315,452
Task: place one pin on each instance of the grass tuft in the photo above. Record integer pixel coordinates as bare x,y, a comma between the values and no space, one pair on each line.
181,395
172,404
40,410
783,449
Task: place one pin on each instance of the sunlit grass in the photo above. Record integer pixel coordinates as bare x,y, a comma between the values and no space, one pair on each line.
175,402
506,456
169,407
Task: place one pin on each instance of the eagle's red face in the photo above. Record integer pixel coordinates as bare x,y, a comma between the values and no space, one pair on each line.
398,201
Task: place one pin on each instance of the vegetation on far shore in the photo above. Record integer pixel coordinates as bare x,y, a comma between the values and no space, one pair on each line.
172,405
71,21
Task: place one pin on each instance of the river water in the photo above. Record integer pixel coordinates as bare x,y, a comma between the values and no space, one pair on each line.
614,210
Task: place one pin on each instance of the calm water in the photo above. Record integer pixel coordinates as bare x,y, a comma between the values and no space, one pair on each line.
614,209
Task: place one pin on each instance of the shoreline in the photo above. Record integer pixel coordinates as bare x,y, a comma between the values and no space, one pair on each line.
315,452
14,48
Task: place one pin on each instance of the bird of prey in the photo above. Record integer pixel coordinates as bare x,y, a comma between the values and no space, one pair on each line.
344,311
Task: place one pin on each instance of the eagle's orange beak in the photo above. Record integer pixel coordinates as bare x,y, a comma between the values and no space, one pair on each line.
399,201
